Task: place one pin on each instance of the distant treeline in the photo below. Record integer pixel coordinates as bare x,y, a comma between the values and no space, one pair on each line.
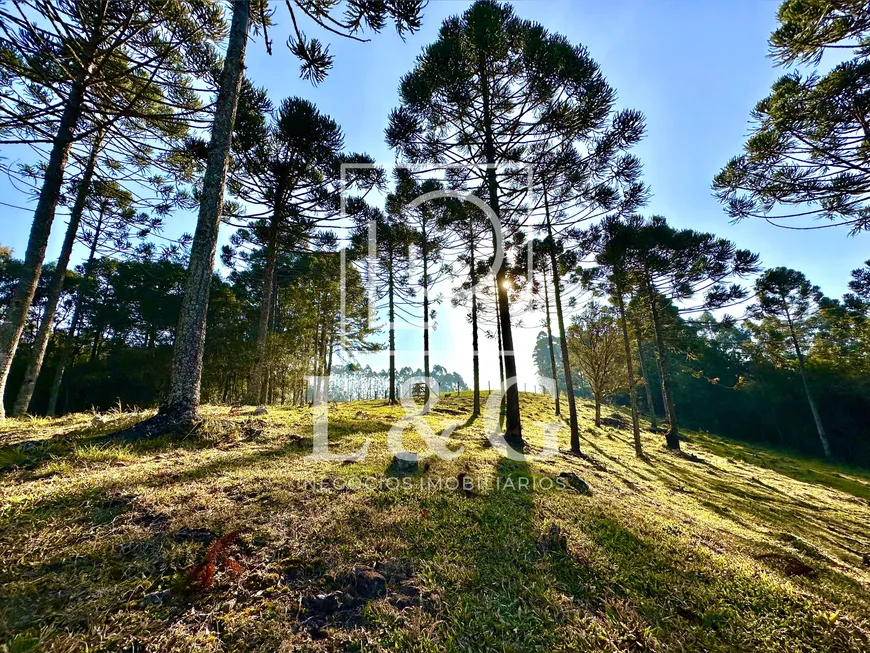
742,380
127,312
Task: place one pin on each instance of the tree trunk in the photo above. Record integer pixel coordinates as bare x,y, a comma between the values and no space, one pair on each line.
629,367
40,345
475,354
475,360
275,319
57,381
324,339
597,411
12,326
425,254
672,437
98,338
225,397
184,391
513,426
566,363
550,343
392,310
315,360
258,376
69,349
820,427
653,420
501,411
498,337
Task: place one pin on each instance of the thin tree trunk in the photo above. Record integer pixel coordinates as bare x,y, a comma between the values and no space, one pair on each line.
672,437
550,342
184,391
820,427
501,413
513,426
16,315
629,367
653,420
68,352
226,394
392,307
566,363
315,361
275,320
98,337
260,359
40,345
322,354
475,361
425,254
475,354
498,335
321,324
57,381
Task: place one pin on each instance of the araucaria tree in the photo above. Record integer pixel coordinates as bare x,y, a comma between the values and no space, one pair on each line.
807,154
182,404
471,246
581,182
390,274
542,263
40,345
680,265
290,172
786,303
76,68
594,344
480,98
612,276
142,157
104,217
426,222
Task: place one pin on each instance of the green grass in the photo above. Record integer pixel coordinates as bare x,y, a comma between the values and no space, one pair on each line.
672,553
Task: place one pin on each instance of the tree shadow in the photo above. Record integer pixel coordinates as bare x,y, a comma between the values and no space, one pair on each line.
339,430
833,523
852,480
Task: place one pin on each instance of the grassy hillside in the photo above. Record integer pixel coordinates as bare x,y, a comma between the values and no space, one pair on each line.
725,548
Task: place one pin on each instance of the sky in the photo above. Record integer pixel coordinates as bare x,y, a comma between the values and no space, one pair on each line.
694,68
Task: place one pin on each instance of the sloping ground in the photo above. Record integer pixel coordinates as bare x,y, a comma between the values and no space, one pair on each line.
726,548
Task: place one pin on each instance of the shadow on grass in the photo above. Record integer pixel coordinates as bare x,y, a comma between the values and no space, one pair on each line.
493,607
339,430
767,510
524,590
641,591
854,481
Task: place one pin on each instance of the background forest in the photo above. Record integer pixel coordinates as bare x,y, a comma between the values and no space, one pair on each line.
680,325
394,325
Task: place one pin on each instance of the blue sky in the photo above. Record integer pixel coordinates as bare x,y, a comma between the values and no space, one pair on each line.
694,68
